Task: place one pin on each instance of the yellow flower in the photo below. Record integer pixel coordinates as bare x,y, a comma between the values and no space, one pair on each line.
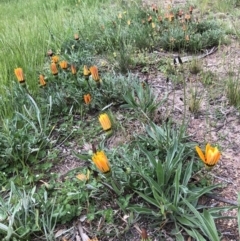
101,161
42,80
63,64
53,68
87,98
55,58
19,74
129,22
83,177
211,157
105,122
86,72
73,69
94,73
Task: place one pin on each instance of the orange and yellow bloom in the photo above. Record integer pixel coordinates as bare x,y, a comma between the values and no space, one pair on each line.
101,161
94,73
86,72
63,64
73,69
105,121
87,98
42,80
20,75
53,68
55,58
211,156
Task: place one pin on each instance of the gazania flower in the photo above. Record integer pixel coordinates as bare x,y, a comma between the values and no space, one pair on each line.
55,58
211,156
53,68
149,19
42,80
187,17
190,9
154,8
144,235
76,36
63,64
105,122
82,176
170,17
19,74
73,69
50,53
180,13
101,161
86,72
94,73
87,98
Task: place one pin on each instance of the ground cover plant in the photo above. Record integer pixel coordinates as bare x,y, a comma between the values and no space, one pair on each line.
75,85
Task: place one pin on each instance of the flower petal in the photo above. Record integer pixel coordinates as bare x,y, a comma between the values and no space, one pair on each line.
200,153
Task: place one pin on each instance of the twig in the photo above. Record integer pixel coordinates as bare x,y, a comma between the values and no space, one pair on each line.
222,199
220,178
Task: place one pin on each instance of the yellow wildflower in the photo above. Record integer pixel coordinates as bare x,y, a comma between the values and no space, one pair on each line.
211,156
101,161
105,122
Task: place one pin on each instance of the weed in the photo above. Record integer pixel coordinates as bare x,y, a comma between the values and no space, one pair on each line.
232,91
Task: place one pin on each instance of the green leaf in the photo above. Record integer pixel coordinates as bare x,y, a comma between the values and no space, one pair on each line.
176,185
205,223
195,234
148,199
187,174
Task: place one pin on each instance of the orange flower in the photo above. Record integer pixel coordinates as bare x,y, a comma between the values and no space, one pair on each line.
105,122
19,74
187,17
101,161
94,73
87,98
170,17
63,64
187,38
73,69
55,58
154,8
42,80
180,13
76,36
211,157
149,19
190,9
53,68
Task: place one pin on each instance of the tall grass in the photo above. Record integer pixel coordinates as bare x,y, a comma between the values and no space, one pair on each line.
29,28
